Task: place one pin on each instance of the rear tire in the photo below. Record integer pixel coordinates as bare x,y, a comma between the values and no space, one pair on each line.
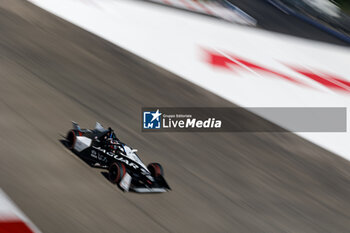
71,139
116,172
155,169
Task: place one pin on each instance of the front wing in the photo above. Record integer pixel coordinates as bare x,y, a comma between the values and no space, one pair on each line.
159,186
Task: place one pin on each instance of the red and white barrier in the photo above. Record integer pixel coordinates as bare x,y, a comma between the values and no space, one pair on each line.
12,219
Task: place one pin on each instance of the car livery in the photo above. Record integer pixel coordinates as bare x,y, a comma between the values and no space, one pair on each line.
101,148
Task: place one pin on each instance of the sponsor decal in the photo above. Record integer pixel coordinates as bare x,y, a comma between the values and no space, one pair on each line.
117,157
93,154
121,158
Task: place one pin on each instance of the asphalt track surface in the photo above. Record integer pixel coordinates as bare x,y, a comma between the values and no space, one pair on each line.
273,19
52,72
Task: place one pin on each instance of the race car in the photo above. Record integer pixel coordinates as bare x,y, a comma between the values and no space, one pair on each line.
102,148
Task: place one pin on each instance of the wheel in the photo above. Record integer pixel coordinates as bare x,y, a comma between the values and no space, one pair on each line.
155,169
116,172
71,139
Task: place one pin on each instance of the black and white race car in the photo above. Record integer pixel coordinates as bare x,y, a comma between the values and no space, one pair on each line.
102,148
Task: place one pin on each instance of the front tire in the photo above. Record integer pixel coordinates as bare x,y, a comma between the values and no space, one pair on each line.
155,169
116,172
71,138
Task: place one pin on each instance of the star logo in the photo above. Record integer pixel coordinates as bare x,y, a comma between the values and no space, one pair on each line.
151,119
156,115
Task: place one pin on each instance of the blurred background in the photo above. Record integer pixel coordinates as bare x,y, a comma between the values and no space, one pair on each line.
103,60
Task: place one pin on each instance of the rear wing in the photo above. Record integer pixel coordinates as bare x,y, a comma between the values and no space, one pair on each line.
99,127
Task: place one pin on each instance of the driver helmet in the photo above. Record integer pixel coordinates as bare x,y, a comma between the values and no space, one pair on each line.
111,133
